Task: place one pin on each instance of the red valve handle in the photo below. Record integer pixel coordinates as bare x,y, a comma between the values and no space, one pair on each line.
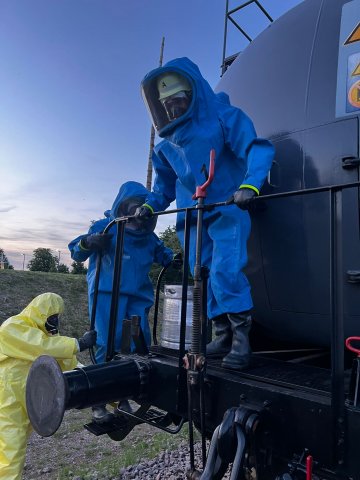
350,347
309,467
201,190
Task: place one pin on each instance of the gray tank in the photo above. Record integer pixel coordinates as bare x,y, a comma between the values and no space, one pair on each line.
299,81
170,327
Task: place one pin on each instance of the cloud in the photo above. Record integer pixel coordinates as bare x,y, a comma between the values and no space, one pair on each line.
7,209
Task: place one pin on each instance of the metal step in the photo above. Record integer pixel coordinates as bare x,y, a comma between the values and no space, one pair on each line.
114,425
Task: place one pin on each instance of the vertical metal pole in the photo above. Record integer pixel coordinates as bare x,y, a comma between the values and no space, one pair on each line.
120,229
152,132
337,324
204,327
156,305
94,304
225,38
182,388
197,302
185,282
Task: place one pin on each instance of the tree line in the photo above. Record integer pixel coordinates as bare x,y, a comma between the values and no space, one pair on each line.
43,260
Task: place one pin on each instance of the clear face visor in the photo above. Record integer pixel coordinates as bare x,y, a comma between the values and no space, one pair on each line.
128,208
164,109
176,105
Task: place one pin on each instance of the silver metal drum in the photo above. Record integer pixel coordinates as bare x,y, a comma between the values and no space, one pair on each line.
170,332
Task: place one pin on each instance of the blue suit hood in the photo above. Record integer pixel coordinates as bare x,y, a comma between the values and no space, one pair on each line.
204,104
128,190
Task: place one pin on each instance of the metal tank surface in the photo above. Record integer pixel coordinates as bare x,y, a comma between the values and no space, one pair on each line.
170,332
298,81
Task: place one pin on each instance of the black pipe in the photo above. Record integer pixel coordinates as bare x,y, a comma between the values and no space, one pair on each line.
156,305
49,391
337,325
104,383
197,295
182,386
94,304
110,351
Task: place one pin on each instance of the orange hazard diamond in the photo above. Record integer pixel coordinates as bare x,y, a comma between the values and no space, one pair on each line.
354,95
354,35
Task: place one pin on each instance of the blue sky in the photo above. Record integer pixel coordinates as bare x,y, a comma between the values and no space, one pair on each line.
73,126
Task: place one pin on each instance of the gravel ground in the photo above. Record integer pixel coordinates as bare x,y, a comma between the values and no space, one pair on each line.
170,465
75,454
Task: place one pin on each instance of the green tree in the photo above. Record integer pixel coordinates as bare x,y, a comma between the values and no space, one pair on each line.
172,275
78,268
43,261
62,268
4,262
170,238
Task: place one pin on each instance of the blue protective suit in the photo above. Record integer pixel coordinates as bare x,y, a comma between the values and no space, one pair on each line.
141,250
242,159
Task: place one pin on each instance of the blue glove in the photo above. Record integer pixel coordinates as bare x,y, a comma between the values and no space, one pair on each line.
243,197
144,212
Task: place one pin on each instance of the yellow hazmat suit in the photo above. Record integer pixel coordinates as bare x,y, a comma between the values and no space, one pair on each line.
23,338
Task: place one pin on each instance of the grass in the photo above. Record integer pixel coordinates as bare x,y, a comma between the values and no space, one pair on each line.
111,462
17,289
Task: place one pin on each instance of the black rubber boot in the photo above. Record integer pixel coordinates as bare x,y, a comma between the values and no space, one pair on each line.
101,414
221,345
240,353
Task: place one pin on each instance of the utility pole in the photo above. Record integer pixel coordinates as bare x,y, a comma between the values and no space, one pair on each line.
152,133
23,254
59,252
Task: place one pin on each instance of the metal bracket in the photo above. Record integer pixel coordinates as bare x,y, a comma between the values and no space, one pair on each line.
353,276
348,163
229,444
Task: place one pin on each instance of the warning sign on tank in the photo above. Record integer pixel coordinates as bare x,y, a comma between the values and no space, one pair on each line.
354,36
348,72
353,83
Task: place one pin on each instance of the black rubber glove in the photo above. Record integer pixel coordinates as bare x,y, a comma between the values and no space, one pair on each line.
177,260
87,340
243,197
96,242
143,212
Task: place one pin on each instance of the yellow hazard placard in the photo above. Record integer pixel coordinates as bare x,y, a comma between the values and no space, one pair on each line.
356,71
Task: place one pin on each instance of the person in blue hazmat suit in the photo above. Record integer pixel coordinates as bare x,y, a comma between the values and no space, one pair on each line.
23,338
192,120
142,248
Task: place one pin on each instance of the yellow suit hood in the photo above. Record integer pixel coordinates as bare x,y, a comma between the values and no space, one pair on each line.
40,309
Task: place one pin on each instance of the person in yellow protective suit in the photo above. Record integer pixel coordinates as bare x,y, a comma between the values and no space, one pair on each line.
23,338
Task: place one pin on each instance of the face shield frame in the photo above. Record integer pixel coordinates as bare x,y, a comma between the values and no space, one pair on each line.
137,225
155,105
52,324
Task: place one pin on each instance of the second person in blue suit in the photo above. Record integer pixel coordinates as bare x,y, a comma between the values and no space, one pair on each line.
142,248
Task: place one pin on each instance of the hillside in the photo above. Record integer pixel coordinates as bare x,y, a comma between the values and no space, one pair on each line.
17,289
